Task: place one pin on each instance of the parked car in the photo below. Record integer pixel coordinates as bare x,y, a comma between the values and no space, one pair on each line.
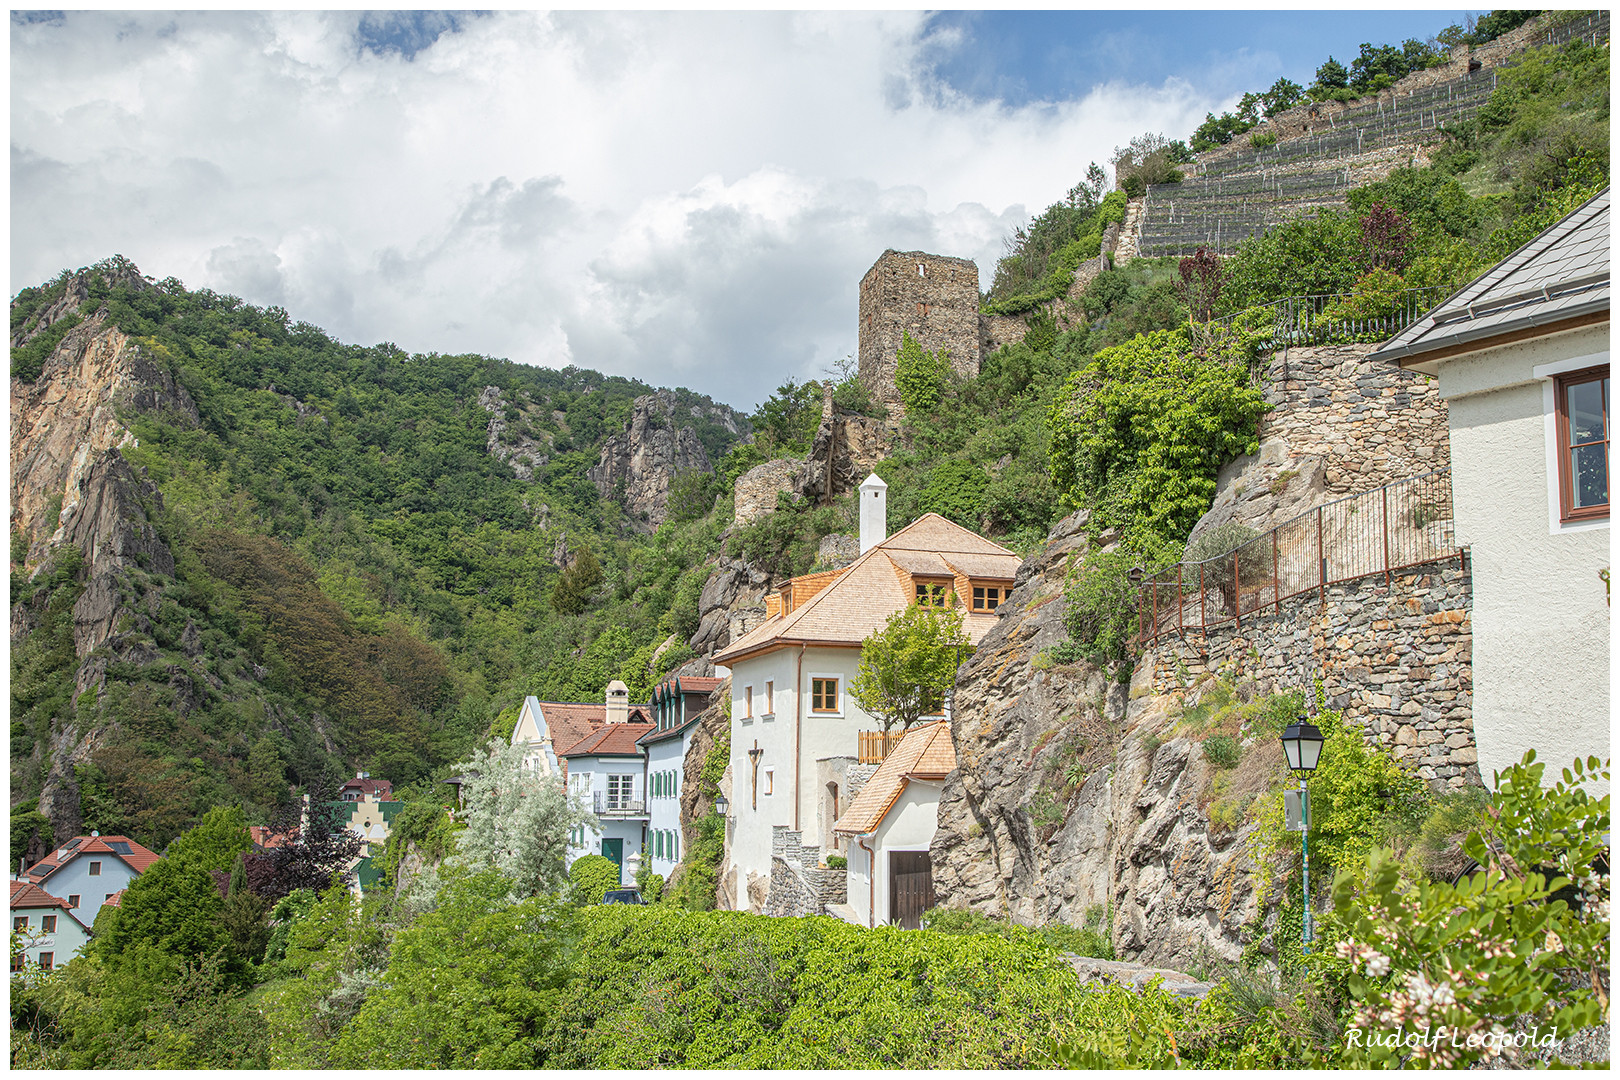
623,896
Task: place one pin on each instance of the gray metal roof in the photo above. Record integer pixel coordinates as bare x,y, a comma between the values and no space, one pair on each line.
1561,274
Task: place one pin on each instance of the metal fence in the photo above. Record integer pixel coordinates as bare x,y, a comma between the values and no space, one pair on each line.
1403,524
1333,318
604,804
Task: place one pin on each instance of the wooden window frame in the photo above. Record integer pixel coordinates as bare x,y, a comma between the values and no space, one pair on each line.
47,924
73,900
981,597
47,961
770,697
936,592
95,868
1568,513
818,693
19,923
748,702
770,781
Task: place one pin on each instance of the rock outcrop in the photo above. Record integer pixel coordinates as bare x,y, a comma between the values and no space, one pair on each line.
1072,799
731,603
638,463
515,447
846,449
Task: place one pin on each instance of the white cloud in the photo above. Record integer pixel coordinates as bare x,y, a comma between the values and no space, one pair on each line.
686,198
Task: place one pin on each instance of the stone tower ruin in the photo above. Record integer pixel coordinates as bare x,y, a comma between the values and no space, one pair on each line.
934,298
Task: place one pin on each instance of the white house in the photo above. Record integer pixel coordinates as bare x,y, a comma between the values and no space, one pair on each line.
1522,359
56,933
676,704
547,727
607,770
87,870
890,825
794,728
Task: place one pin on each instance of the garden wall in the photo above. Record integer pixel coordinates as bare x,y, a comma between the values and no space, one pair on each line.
1397,660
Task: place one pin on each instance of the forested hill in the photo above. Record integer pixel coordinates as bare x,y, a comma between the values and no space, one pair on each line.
311,556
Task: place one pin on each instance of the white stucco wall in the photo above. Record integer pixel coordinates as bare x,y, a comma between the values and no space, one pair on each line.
68,938
75,879
667,756
632,829
820,735
908,826
1540,619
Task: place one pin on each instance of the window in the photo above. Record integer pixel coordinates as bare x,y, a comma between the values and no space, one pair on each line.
987,597
823,695
620,788
95,869
770,781
106,897
658,843
770,699
17,961
748,701
73,900
932,593
49,924
922,271
1583,444
674,784
19,923
47,960
675,843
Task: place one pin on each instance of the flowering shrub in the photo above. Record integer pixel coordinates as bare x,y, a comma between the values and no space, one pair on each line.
1516,955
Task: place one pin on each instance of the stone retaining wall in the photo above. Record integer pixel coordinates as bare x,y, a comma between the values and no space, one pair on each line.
1396,660
1372,423
799,886
755,490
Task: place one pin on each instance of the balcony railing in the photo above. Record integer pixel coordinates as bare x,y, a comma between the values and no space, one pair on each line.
1390,528
875,745
1336,318
606,806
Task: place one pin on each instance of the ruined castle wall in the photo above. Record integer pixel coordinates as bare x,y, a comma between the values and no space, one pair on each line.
934,298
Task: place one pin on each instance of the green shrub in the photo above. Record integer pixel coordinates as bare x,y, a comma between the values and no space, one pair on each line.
837,862
591,877
1221,751
1262,139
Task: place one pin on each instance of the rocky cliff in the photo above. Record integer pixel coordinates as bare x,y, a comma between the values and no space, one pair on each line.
638,463
1073,797
70,486
511,441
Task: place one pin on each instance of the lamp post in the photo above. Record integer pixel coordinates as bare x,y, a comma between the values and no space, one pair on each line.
1302,742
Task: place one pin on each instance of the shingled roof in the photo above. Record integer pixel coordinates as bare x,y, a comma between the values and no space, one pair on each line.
571,722
1557,281
861,598
610,739
134,855
925,753
25,894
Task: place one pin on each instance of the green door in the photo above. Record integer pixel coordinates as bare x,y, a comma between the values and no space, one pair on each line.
614,849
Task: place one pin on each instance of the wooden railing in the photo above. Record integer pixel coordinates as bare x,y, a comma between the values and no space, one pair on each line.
1377,532
875,745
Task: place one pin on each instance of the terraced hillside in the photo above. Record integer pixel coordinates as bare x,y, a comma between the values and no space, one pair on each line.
1326,148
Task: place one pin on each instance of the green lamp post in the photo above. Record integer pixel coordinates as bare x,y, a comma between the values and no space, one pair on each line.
1302,743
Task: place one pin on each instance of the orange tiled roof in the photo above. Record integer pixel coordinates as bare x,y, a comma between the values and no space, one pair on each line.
570,722
610,739
925,753
116,899
876,585
25,894
367,786
134,855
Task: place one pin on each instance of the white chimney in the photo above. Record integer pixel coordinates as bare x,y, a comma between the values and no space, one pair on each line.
618,703
874,512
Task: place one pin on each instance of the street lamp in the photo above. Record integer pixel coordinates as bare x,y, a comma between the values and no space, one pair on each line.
721,805
1302,742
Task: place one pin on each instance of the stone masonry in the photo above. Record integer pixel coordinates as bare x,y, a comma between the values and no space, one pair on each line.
934,298
799,885
1372,424
1397,661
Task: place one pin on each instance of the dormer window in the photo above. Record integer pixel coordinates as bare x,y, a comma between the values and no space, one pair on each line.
931,593
988,597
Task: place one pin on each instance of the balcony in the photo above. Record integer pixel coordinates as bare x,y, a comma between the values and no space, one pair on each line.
607,807
874,746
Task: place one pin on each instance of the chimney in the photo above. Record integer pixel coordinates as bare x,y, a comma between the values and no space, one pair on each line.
618,702
874,512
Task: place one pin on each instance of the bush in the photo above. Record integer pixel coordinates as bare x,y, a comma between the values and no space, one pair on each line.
1221,751
837,862
1262,139
591,877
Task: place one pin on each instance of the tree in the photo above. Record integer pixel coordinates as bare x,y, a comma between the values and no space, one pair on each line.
788,418
319,846
920,376
577,583
1332,75
591,877
517,822
174,907
214,843
907,666
1201,274
1283,95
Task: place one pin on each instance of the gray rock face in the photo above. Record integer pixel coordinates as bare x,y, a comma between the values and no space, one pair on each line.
734,590
845,451
1066,803
521,451
645,457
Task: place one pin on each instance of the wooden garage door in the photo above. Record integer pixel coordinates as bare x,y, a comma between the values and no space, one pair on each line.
911,888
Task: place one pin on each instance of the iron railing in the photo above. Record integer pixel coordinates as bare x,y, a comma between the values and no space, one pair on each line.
1337,318
602,805
1391,528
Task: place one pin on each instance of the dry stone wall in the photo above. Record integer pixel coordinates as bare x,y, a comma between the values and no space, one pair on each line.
1395,659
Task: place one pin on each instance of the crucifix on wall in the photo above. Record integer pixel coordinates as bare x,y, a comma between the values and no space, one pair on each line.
753,757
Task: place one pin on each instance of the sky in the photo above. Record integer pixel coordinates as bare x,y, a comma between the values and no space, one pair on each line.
687,198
